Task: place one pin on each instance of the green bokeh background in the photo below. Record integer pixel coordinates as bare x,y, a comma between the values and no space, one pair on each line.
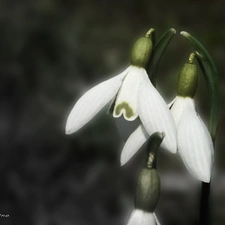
51,52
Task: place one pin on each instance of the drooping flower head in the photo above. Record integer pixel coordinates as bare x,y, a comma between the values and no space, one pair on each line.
133,96
194,142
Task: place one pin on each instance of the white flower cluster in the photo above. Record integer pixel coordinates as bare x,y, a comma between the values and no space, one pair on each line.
135,96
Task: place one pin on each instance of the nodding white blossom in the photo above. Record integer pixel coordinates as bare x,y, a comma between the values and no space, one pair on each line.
194,142
140,217
134,96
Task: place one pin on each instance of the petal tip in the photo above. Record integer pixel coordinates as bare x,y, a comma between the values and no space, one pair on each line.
171,147
67,132
123,160
205,178
174,150
69,129
185,34
173,30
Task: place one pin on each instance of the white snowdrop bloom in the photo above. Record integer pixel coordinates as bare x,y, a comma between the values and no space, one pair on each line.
133,96
140,217
194,142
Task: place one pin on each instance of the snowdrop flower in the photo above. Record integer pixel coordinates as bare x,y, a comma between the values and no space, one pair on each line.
133,96
194,142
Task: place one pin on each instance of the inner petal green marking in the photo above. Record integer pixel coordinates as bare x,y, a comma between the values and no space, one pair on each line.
128,110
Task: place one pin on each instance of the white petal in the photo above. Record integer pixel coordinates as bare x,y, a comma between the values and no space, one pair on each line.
126,128
139,217
155,114
126,101
134,142
92,102
178,107
195,144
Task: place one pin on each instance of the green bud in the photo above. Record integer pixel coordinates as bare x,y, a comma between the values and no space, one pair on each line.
188,80
141,52
148,190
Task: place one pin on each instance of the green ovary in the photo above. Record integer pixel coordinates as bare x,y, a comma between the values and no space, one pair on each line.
128,110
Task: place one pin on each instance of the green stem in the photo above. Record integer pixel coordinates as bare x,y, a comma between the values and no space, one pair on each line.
204,213
212,84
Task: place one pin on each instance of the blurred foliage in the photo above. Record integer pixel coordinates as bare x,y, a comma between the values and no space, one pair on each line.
51,51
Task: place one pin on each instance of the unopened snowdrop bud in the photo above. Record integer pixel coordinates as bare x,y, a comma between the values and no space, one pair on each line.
148,190
142,49
148,187
188,79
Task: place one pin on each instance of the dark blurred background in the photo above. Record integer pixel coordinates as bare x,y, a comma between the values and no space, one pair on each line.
51,52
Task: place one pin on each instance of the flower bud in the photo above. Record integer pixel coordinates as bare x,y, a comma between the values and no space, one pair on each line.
141,52
148,190
188,80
